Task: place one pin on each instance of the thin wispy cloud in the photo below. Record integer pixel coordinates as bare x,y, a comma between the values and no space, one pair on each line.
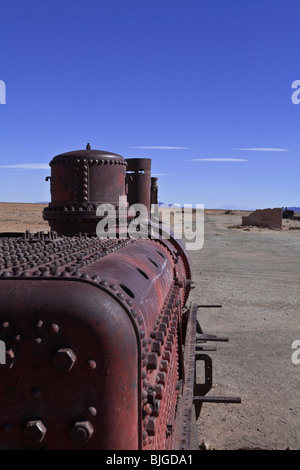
161,147
263,149
28,166
45,166
217,160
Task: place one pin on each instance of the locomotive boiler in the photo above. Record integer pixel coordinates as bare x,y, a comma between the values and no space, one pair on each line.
100,342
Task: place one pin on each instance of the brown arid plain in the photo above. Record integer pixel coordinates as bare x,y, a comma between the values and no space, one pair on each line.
254,273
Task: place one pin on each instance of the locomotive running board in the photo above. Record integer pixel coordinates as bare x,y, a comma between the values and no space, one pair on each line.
192,393
186,418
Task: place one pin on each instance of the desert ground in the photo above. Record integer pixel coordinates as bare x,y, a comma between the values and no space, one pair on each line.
254,273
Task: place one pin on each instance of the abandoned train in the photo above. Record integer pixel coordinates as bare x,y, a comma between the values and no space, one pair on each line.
99,340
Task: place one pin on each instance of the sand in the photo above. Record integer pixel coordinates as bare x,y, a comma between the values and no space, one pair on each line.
255,274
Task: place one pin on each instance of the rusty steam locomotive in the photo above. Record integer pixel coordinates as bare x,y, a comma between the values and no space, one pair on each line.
100,342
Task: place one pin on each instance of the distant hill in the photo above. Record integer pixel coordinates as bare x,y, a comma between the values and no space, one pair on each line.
295,209
163,204
233,207
166,204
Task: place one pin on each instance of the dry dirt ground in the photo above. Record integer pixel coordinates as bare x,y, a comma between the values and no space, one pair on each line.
255,274
18,217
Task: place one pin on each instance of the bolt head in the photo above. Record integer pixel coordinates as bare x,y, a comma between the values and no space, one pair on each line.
82,431
152,361
35,431
64,359
150,428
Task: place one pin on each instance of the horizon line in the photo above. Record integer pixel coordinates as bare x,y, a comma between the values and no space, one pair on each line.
217,160
263,149
160,147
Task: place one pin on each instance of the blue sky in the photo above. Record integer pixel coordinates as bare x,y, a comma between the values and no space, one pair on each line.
202,87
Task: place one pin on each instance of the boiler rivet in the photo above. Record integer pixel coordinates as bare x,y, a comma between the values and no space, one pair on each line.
92,364
148,409
92,411
54,328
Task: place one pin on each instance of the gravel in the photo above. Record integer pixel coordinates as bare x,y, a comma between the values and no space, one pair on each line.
255,275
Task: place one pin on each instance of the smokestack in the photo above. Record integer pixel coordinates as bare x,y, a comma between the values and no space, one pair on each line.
154,190
138,179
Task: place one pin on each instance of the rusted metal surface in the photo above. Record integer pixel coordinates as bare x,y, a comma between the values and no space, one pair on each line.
139,181
154,190
100,347
80,181
72,340
93,325
183,433
193,394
